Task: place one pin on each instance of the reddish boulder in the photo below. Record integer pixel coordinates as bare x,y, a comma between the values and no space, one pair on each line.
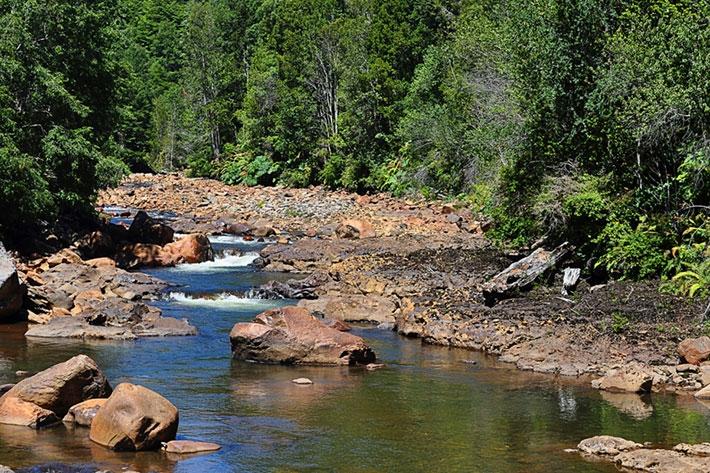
695,350
48,396
195,248
290,335
134,418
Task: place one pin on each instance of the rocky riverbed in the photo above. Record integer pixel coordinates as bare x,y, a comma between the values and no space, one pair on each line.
423,269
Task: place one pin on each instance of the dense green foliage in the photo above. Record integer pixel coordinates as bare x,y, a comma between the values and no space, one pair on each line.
579,120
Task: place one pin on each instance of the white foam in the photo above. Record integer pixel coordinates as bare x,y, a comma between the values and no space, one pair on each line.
221,263
223,300
232,240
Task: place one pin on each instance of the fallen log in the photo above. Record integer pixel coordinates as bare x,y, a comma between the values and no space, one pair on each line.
521,274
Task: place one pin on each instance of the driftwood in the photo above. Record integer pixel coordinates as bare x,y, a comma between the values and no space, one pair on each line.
569,282
521,274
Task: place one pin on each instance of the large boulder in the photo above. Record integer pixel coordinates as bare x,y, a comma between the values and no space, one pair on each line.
195,248
631,380
47,396
695,350
145,229
12,292
607,445
291,335
134,418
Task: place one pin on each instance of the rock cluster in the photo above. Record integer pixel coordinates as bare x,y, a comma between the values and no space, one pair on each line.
72,298
630,455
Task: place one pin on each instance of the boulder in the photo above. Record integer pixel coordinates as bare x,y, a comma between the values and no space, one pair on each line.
186,447
134,418
145,229
354,228
607,445
263,231
84,412
290,335
624,380
195,248
47,396
695,350
703,393
12,292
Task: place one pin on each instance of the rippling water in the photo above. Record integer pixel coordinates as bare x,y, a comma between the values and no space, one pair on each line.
430,409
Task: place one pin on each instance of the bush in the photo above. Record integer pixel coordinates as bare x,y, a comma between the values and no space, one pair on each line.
690,266
632,253
248,170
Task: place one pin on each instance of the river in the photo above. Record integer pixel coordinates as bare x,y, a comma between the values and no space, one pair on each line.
429,409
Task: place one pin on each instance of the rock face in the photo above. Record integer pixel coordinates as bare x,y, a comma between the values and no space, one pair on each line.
47,396
291,335
134,418
11,291
625,380
83,413
695,350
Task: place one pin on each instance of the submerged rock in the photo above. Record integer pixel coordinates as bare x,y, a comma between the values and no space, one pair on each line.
134,418
186,447
47,396
290,335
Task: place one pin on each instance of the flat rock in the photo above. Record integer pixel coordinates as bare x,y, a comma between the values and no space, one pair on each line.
703,393
607,445
186,447
353,308
625,380
302,381
662,461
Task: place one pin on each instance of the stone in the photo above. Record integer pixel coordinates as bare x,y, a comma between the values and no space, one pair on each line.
695,350
607,445
374,366
145,229
194,248
355,228
703,393
705,375
83,413
302,381
134,418
237,229
698,450
662,461
625,380
5,469
186,447
353,308
12,292
53,391
290,335
263,231
687,368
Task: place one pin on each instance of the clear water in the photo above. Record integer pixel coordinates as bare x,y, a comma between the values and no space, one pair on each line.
429,409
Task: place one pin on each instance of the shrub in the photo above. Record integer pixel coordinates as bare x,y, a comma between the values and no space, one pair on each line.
110,171
632,253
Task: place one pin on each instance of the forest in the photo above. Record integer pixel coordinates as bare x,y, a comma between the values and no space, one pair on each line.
558,120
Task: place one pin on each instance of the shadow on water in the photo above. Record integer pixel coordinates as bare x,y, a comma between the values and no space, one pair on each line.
429,409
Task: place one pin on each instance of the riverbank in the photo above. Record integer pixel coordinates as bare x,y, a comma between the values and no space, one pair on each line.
421,268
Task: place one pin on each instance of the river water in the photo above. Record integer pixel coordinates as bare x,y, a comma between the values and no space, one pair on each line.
430,409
